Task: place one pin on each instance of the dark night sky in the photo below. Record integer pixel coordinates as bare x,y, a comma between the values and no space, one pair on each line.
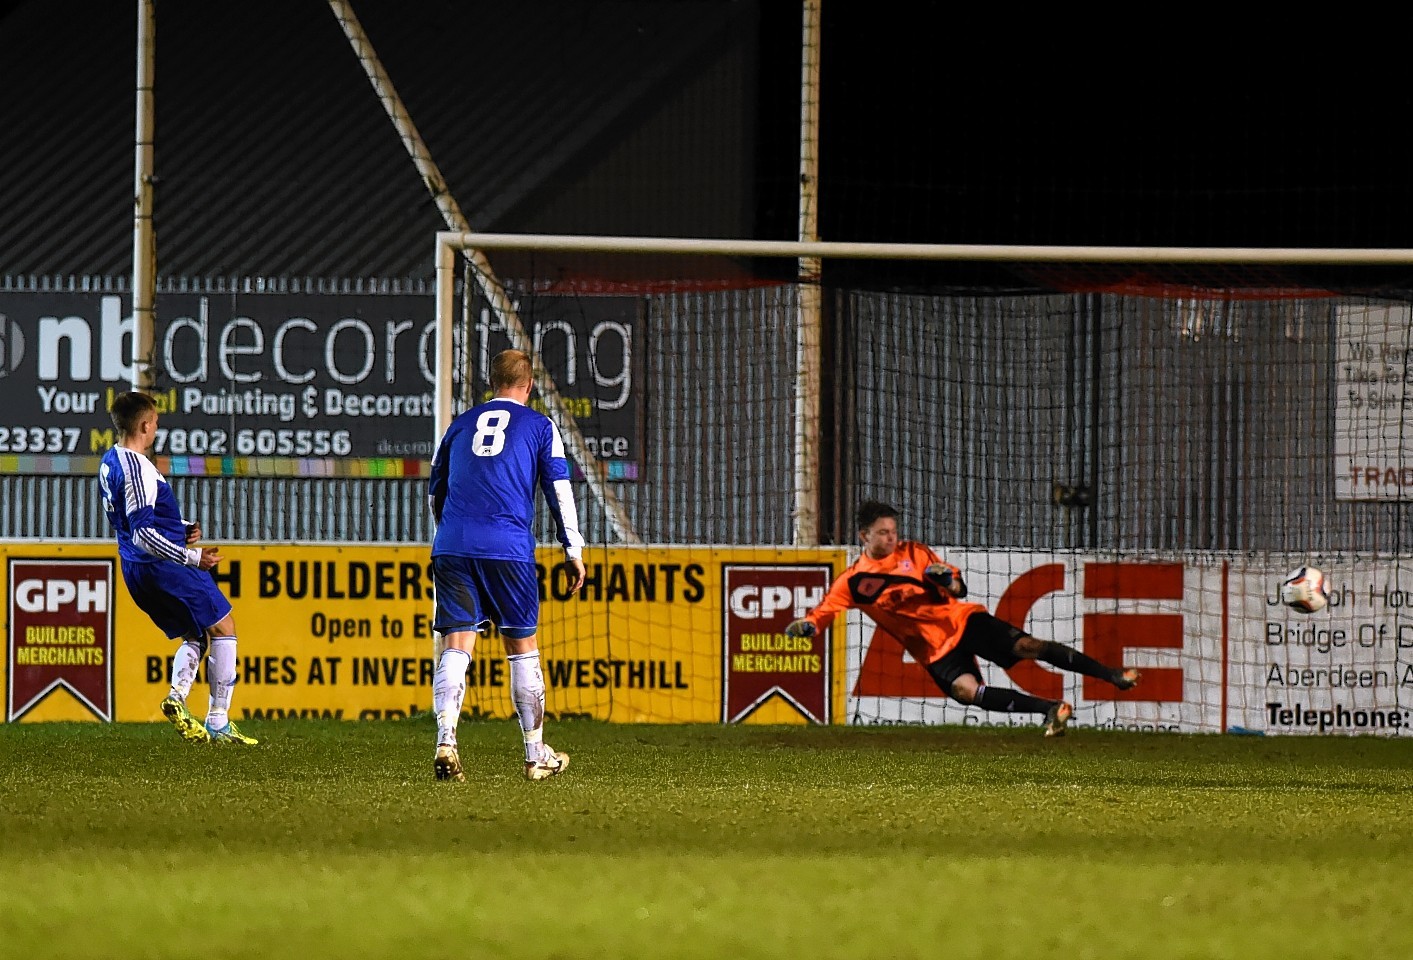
952,124
1003,126
1011,127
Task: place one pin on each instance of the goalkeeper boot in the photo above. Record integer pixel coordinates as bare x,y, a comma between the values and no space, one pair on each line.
1127,679
230,733
1057,718
551,763
191,729
447,764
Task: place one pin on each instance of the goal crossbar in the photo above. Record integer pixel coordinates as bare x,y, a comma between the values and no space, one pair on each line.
827,249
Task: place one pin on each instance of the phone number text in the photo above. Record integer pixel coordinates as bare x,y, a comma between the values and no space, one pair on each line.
39,439
253,443
185,442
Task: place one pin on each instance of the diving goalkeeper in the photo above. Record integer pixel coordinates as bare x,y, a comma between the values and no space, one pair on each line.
910,592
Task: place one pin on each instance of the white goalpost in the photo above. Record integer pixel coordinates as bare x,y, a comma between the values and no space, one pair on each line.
1187,421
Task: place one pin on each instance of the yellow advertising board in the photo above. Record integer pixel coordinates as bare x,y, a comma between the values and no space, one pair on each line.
657,635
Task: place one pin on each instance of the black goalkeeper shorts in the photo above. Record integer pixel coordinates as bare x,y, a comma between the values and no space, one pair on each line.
984,636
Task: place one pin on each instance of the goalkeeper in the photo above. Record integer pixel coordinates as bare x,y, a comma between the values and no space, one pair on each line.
911,593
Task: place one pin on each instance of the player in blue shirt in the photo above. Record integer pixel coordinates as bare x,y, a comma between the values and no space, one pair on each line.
166,576
482,495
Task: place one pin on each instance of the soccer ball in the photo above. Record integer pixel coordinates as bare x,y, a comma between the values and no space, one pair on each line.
1305,589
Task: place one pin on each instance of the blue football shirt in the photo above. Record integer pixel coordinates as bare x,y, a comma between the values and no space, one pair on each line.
484,476
143,510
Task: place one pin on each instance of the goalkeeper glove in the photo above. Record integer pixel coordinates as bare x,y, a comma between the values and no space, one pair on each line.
800,628
939,574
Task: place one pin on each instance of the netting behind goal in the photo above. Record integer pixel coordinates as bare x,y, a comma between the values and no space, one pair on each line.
1130,473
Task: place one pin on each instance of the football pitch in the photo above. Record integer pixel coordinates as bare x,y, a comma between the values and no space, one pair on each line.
332,839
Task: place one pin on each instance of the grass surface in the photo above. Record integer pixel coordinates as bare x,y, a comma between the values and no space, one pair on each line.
332,840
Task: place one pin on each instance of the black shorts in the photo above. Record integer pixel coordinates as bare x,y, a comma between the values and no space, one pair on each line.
984,636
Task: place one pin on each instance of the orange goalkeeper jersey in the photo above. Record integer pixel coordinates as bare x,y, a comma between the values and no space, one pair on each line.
926,619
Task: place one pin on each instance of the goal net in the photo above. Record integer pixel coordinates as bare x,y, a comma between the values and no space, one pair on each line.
1123,455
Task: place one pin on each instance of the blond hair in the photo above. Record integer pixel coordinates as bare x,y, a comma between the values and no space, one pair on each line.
510,368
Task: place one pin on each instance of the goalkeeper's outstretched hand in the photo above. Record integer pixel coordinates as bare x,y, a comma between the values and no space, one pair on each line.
939,573
800,628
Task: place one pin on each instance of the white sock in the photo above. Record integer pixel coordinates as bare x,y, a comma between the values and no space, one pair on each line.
221,677
448,692
527,692
185,662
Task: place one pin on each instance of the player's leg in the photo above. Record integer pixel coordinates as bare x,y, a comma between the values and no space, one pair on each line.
957,675
186,663
222,671
448,695
147,585
458,620
513,600
527,691
1068,658
207,613
994,640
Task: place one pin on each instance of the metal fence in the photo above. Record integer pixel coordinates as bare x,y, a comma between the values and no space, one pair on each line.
1060,421
1183,424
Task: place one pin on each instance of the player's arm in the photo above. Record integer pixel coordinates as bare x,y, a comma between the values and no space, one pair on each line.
559,495
437,483
836,601
210,556
948,577
140,503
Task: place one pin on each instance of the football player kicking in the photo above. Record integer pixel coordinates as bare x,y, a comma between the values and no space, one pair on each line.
167,577
911,593
482,495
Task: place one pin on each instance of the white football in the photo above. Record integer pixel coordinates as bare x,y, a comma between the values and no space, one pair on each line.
1305,589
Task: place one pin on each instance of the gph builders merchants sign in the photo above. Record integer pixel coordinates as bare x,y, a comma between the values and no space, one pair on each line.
759,661
61,634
